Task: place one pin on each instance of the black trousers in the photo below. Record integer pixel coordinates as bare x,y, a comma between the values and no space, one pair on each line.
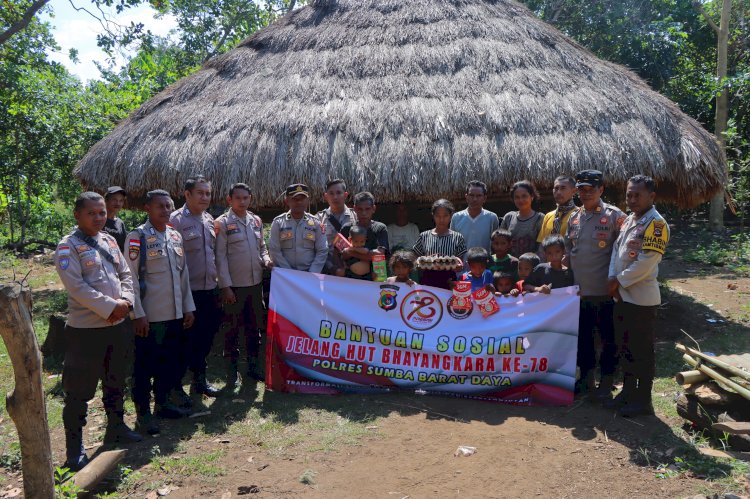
596,315
92,355
243,316
196,342
157,357
634,330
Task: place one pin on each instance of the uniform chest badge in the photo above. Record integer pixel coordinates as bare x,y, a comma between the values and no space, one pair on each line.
311,222
310,236
603,220
83,248
602,244
658,229
63,250
598,209
285,235
151,239
231,226
64,262
631,254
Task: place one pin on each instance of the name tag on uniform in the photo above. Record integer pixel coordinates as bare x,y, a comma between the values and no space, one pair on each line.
231,227
287,234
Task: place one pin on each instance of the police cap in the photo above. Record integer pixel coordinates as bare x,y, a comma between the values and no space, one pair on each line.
593,178
296,189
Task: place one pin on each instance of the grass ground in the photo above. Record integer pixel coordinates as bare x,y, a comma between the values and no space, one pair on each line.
254,427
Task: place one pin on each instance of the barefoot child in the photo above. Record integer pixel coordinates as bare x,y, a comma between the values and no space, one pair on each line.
553,274
402,263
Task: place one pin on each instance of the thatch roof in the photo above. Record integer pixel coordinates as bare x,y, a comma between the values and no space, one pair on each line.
409,99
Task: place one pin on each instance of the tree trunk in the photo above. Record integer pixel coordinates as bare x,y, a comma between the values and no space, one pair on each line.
26,404
716,215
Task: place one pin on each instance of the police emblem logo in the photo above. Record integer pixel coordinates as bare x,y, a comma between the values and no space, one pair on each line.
658,229
134,248
310,236
387,300
602,244
83,248
151,239
311,223
64,262
603,220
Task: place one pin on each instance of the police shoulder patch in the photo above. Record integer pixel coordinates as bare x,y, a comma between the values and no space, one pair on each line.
656,237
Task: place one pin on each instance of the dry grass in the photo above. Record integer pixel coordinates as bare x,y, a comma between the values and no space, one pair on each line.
409,100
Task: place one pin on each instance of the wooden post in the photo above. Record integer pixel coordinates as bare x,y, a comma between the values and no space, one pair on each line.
26,404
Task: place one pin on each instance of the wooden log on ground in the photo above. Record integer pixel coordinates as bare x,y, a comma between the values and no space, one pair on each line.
736,428
99,467
714,374
690,377
704,417
734,370
26,404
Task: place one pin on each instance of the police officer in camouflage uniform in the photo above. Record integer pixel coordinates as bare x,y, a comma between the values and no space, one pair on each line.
334,218
163,309
196,226
97,335
241,256
297,240
592,230
633,270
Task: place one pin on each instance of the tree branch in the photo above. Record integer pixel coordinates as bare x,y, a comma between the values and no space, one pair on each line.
23,22
699,7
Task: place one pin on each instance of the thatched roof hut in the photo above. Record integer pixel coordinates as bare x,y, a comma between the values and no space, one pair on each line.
410,100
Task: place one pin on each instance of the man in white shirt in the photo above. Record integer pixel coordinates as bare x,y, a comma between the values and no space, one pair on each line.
475,223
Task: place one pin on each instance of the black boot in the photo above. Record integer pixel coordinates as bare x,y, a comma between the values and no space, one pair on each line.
75,455
118,433
181,399
252,371
145,423
231,376
641,403
202,387
625,396
168,410
604,390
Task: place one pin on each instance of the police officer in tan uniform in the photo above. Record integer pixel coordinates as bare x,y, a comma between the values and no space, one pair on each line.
633,270
241,256
196,226
592,230
97,336
334,218
163,308
297,240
